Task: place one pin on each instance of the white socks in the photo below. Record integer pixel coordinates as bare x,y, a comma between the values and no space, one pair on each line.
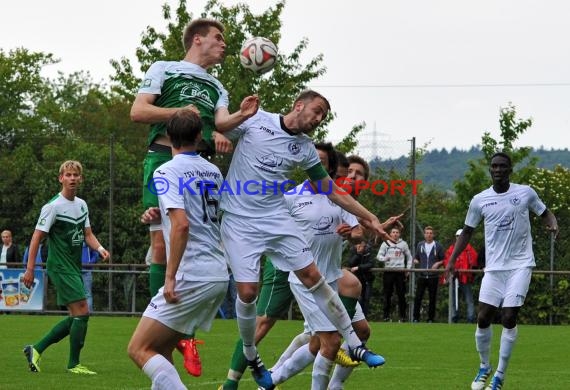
162,374
508,339
330,304
300,359
483,344
340,373
297,342
321,372
245,313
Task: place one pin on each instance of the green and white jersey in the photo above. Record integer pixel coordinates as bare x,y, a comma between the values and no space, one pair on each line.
179,83
193,184
64,221
263,159
318,217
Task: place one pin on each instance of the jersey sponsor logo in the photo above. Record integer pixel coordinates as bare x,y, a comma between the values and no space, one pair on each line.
306,249
505,223
77,237
268,131
294,148
488,204
193,91
268,162
324,223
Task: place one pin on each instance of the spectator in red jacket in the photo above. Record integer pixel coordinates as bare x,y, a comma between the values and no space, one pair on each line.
466,260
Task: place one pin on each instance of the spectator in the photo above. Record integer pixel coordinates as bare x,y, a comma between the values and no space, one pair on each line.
395,254
360,264
9,252
41,256
466,260
88,257
429,255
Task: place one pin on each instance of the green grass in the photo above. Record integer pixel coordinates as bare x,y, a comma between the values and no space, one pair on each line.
419,356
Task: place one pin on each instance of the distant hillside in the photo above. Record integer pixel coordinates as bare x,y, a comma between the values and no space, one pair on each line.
441,167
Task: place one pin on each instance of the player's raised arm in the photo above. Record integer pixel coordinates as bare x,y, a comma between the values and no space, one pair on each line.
226,121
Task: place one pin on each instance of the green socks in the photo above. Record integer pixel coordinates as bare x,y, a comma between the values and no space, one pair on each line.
157,273
58,332
77,333
238,366
349,304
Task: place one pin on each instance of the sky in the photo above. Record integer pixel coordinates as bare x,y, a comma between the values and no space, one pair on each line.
438,71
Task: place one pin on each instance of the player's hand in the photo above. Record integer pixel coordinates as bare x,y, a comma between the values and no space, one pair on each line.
168,290
553,229
377,228
104,253
151,216
28,278
223,145
249,106
344,230
394,220
193,108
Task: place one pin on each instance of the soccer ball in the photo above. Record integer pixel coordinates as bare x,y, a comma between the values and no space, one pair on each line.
258,54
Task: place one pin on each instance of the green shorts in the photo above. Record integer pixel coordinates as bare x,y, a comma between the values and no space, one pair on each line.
69,287
152,161
276,296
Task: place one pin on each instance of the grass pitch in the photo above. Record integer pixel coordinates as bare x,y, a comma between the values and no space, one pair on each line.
418,356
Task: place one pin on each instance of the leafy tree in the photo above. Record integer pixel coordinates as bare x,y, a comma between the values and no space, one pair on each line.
477,178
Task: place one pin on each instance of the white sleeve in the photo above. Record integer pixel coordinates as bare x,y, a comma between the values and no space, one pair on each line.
473,216
534,203
381,256
172,197
153,79
47,218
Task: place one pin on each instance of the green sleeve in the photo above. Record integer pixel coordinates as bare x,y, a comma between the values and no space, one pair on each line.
317,172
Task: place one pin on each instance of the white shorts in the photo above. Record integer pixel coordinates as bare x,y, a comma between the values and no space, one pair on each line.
508,288
315,319
198,305
247,239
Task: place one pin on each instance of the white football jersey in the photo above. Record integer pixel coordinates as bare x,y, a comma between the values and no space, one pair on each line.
263,159
318,218
508,241
192,184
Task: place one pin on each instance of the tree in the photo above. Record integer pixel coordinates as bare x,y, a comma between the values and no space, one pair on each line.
477,177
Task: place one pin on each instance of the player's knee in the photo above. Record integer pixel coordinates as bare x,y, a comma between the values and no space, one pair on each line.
309,276
508,319
349,285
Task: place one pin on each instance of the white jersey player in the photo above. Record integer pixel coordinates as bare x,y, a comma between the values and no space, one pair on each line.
322,223
256,220
196,273
504,208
